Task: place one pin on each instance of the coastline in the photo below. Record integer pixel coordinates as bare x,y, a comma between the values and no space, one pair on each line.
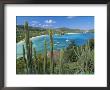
20,42
32,38
72,33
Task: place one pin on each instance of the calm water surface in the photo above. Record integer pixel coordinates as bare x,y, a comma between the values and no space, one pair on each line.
60,41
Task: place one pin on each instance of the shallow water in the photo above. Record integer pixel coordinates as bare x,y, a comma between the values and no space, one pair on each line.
60,41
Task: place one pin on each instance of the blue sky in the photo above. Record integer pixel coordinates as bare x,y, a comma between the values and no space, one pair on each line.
74,22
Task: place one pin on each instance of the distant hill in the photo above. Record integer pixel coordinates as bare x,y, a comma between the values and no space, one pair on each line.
21,27
64,29
61,29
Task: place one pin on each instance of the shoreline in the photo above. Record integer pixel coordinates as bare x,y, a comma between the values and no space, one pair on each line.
32,38
20,42
73,33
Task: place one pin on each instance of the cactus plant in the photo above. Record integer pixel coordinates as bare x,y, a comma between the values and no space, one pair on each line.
35,60
51,50
30,60
45,57
28,47
25,59
27,43
27,38
61,61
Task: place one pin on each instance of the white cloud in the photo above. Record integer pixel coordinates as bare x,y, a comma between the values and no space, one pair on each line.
39,24
46,26
70,17
49,21
35,22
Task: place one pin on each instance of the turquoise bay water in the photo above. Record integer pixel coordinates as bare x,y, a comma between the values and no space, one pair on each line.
60,41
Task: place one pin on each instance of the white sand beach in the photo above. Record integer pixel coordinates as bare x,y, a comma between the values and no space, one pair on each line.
22,41
37,37
73,33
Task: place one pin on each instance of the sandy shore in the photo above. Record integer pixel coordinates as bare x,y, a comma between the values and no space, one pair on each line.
32,38
22,41
37,37
73,33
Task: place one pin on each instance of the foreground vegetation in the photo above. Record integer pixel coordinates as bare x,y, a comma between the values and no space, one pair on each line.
72,60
